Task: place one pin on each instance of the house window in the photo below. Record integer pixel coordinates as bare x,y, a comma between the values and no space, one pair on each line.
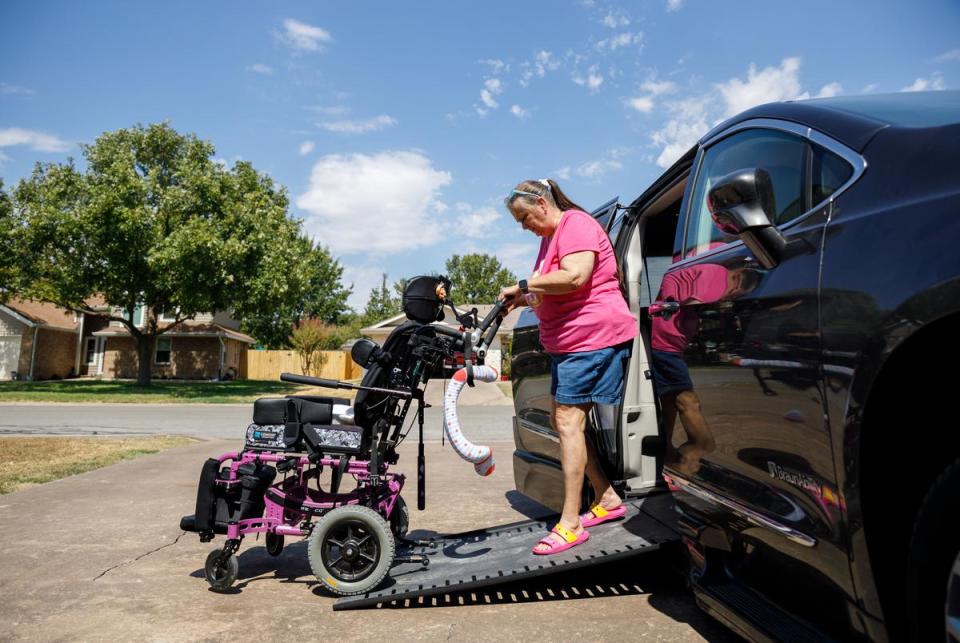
137,315
163,350
90,351
168,316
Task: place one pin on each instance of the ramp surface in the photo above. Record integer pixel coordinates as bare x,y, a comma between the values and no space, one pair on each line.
502,554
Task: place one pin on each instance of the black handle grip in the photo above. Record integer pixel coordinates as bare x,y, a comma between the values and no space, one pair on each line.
312,381
493,314
449,332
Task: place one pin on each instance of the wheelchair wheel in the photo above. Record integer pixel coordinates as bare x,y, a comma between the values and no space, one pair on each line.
400,519
220,573
351,550
273,543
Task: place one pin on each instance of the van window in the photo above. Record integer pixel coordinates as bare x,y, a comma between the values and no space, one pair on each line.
781,154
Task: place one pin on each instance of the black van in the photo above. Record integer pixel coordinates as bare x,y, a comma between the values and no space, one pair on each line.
822,367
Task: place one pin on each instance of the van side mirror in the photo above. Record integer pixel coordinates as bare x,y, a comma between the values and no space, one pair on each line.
743,203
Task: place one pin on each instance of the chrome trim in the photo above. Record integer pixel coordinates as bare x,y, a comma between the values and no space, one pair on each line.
814,136
748,514
539,429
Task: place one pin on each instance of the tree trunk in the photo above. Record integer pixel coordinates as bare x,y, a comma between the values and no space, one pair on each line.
144,350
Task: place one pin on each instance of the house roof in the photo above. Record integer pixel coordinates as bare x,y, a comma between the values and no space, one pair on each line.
187,328
43,314
390,323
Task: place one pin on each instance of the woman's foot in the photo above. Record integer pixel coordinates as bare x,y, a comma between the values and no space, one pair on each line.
561,538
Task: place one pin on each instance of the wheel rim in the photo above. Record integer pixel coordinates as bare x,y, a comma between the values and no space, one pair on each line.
953,603
350,551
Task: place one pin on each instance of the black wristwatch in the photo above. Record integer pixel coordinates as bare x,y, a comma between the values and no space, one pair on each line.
523,286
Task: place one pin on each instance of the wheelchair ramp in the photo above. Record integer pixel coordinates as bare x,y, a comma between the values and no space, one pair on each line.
502,554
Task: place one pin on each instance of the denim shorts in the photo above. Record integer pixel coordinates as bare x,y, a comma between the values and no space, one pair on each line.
670,373
589,376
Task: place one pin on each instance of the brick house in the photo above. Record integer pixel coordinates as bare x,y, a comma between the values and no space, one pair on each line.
37,341
208,347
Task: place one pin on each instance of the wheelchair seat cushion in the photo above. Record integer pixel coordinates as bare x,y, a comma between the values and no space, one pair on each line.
333,438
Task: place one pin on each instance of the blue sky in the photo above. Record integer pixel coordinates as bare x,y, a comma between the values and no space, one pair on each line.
397,128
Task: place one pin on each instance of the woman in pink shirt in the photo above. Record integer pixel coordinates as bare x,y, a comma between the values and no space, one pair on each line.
588,331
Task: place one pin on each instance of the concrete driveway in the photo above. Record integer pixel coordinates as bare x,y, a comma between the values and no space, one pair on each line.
100,556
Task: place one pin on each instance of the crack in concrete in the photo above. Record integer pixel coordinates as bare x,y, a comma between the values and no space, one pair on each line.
129,562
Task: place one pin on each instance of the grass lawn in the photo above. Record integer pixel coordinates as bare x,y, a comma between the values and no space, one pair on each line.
25,462
160,391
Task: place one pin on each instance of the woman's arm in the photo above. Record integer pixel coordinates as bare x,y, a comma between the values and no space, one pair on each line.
575,270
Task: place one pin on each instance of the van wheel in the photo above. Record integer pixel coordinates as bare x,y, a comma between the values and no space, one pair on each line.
933,568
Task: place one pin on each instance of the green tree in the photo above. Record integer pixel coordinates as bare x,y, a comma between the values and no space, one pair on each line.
381,305
154,221
9,273
310,338
324,298
477,278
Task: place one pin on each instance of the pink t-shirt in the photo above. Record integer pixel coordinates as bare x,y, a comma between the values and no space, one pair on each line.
595,316
705,283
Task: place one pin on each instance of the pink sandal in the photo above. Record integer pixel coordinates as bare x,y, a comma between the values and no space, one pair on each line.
598,514
570,539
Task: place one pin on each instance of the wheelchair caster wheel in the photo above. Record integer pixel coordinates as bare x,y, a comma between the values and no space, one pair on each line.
274,544
220,572
351,550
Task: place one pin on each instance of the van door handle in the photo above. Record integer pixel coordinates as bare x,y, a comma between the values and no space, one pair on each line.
664,309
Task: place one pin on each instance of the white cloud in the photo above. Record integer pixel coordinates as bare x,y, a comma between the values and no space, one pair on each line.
654,88
597,169
935,82
620,40
304,37
15,89
765,86
563,173
389,195
641,104
542,62
592,80
657,88
496,65
613,20
675,5
360,127
481,112
948,56
260,68
488,100
493,85
4,157
38,141
475,223
334,110
588,3
306,147
830,90
687,125
363,279
872,87
519,112
518,257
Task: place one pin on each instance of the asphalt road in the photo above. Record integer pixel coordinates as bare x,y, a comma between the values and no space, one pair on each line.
210,421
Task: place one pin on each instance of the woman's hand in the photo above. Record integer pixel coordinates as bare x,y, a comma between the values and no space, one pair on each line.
512,297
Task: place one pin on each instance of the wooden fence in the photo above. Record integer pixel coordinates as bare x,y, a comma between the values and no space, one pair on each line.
267,365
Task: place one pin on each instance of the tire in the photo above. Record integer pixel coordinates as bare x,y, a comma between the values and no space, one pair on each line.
351,550
932,568
273,544
400,519
220,575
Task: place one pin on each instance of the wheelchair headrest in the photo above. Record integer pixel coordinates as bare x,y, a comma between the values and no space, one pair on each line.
423,298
